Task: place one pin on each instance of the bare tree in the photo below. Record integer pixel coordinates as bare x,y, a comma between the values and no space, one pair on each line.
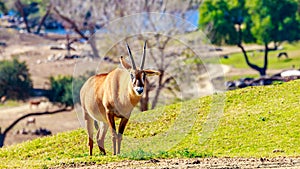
87,16
26,9
83,17
161,50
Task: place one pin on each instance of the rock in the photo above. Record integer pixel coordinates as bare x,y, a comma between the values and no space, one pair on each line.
72,57
24,131
278,151
230,85
241,84
290,73
3,44
59,57
51,58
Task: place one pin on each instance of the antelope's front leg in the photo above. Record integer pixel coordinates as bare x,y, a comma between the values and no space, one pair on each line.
121,131
112,126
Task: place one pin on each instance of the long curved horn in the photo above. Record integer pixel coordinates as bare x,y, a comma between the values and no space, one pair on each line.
131,58
143,57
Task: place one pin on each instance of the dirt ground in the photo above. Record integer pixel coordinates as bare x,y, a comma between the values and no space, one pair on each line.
209,163
64,121
36,52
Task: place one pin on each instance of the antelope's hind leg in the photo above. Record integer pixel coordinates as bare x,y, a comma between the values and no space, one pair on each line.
112,126
101,136
90,129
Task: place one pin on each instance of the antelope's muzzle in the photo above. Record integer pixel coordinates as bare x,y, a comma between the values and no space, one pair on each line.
139,90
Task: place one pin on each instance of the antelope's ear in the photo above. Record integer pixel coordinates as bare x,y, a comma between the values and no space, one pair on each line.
124,63
152,72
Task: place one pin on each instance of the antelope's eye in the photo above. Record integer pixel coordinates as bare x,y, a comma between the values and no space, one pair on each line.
132,77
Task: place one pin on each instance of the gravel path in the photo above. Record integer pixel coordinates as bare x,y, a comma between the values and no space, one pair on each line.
209,163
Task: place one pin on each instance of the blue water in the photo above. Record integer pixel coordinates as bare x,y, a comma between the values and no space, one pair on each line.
56,31
191,16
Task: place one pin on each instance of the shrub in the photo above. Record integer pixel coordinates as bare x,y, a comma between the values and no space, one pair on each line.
15,82
65,89
61,90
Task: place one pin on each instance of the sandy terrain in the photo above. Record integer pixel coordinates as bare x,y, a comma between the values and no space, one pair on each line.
35,51
209,163
56,123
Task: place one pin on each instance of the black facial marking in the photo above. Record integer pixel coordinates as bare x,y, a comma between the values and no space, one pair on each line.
144,76
138,78
132,76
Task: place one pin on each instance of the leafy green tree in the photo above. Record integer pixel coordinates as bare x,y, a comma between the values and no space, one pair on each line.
3,8
259,21
61,90
220,17
78,83
65,89
15,82
274,21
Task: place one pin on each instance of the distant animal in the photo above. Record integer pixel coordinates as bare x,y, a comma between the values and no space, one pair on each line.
107,96
3,99
35,103
282,54
30,120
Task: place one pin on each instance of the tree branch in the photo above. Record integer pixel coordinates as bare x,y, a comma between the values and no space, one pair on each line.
71,22
33,114
255,67
20,8
44,18
266,56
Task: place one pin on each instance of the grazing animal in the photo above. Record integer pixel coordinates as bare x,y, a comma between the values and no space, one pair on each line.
3,99
35,103
282,54
30,120
105,97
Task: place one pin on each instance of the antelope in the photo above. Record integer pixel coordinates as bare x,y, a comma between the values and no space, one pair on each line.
3,99
30,120
107,96
36,103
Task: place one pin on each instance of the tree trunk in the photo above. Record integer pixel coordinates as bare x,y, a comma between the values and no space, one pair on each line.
20,8
266,62
68,45
144,102
91,39
2,137
255,67
262,70
92,43
43,19
155,99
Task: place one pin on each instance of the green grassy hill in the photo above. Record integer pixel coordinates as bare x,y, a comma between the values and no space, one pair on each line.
237,59
257,122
